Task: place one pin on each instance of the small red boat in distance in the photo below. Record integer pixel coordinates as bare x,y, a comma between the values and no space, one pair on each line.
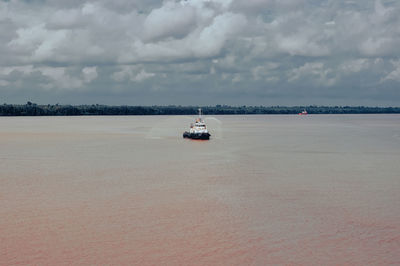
303,113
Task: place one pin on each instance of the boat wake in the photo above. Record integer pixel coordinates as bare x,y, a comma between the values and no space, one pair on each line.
215,127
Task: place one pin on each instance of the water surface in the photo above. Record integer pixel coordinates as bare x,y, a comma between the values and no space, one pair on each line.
285,190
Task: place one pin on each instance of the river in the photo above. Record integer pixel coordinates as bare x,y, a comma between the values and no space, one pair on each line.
129,190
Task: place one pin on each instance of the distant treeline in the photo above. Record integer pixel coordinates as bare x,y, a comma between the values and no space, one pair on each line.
32,109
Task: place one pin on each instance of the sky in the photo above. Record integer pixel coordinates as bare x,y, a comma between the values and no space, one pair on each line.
200,52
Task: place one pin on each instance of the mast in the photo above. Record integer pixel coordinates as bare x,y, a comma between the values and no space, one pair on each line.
200,113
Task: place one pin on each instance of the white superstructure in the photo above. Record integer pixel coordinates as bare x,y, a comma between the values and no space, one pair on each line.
199,126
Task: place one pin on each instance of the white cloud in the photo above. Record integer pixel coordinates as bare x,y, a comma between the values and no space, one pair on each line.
29,38
66,19
143,75
47,49
197,28
170,20
212,70
264,72
22,69
59,78
4,83
89,74
355,66
124,73
132,73
203,43
55,77
395,74
316,72
212,38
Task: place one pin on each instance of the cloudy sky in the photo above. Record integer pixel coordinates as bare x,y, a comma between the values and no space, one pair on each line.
205,52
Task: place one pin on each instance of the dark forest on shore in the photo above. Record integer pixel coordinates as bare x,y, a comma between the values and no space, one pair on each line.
32,109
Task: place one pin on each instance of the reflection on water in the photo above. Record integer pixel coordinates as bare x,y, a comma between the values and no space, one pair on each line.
312,190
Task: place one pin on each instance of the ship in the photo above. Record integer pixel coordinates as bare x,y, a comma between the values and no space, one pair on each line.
198,130
303,113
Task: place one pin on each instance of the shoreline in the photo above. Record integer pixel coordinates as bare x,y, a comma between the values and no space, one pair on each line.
32,109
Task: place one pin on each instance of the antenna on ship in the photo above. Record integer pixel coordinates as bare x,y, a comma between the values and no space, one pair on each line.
200,113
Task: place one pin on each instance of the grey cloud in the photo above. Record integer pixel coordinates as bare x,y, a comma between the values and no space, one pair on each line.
257,51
